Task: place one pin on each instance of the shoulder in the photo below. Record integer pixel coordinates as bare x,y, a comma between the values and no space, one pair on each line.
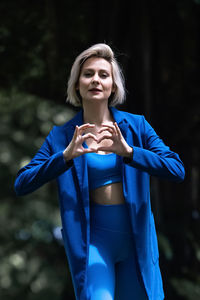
132,119
136,123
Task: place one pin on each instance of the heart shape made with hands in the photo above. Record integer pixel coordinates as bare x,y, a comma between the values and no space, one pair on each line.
107,139
102,140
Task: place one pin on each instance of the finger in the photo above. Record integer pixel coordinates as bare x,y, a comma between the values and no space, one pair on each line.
108,125
105,129
75,132
112,127
117,128
106,149
89,135
105,137
90,150
85,126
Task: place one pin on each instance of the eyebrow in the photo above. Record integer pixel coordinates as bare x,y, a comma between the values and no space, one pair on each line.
101,70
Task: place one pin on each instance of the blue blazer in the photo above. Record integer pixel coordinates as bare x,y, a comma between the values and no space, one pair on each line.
150,157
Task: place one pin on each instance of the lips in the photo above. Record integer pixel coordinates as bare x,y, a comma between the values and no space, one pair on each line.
95,90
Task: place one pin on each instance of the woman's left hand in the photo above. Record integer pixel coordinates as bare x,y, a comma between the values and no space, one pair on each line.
119,145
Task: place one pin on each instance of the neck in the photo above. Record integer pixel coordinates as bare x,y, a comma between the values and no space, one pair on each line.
97,113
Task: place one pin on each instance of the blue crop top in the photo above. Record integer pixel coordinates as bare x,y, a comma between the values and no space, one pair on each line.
103,169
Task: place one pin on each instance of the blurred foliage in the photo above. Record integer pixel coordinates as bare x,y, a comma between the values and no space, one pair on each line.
157,44
32,258
187,288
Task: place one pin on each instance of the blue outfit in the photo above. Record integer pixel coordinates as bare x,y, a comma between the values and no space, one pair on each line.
150,157
112,264
103,169
113,272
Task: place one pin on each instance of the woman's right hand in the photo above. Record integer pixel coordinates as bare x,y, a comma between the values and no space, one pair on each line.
75,147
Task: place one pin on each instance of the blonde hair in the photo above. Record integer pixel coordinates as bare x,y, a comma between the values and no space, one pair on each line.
102,51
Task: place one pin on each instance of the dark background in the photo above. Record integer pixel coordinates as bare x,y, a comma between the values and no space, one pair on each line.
157,44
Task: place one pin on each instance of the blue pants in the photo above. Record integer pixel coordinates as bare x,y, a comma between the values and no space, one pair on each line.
113,272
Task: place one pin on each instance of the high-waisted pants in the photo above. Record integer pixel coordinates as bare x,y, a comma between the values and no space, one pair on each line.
113,273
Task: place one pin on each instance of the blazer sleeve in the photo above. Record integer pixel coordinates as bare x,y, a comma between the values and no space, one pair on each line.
44,167
156,158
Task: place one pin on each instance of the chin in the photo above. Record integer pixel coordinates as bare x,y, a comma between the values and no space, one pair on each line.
96,100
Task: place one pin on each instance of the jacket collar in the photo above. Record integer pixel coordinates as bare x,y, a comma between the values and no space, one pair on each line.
119,117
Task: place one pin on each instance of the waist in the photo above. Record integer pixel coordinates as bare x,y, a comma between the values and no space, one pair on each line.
110,217
108,194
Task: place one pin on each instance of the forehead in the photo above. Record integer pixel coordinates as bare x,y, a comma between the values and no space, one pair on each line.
97,63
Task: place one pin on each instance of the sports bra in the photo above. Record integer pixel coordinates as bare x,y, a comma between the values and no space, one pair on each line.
103,169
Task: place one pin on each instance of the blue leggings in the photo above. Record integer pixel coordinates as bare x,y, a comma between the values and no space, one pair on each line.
113,273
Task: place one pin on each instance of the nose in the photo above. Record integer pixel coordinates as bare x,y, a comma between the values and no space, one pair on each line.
95,78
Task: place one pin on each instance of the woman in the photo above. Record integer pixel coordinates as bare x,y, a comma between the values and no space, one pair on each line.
102,160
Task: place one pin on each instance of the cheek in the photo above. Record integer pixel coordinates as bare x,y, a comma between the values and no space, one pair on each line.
83,83
110,86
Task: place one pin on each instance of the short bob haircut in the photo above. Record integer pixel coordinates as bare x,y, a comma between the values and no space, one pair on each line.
102,51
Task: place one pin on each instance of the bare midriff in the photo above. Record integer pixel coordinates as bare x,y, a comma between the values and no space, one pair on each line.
108,194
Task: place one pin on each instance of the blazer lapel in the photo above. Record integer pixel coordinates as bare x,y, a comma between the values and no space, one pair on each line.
80,167
121,121
79,162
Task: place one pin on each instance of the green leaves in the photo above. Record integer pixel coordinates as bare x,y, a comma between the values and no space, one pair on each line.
31,255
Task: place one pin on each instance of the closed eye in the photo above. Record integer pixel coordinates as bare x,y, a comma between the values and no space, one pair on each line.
87,74
104,75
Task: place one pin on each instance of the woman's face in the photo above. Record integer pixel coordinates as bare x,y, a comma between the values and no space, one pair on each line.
95,81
